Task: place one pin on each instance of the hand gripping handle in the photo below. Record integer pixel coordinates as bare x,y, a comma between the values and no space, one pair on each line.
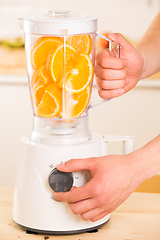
111,45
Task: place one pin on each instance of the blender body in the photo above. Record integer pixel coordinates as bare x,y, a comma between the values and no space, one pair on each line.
60,51
34,207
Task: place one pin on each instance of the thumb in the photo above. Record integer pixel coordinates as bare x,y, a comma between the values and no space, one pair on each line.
74,165
119,39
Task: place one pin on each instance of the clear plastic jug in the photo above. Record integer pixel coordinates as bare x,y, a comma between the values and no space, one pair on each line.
60,52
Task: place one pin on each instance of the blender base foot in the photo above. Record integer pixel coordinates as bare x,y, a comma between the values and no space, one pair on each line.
38,231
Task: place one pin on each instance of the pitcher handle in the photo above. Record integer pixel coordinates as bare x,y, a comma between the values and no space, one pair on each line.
128,142
99,102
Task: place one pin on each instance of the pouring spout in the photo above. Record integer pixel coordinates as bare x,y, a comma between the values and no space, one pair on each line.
21,22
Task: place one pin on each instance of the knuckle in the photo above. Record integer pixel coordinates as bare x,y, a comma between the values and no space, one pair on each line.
121,63
113,93
101,201
119,35
123,73
71,161
84,217
103,94
103,85
72,198
74,209
123,83
93,220
97,70
103,61
104,74
102,58
96,191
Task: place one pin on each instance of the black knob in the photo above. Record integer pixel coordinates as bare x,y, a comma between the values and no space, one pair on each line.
60,181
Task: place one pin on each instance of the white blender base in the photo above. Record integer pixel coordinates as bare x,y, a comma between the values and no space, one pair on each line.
33,205
48,232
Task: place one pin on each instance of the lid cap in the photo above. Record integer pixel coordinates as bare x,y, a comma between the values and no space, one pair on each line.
59,23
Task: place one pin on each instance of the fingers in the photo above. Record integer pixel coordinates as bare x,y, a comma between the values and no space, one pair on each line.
75,165
111,84
111,75
90,209
106,94
99,216
84,205
76,195
111,71
93,215
105,60
111,88
80,193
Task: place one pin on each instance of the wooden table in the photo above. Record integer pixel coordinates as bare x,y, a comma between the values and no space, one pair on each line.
137,218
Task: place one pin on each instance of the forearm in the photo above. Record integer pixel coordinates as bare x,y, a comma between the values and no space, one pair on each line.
145,162
149,48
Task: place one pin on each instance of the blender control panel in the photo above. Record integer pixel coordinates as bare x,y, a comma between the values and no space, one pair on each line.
60,181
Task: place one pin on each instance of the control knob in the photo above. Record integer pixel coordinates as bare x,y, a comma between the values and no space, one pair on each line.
60,181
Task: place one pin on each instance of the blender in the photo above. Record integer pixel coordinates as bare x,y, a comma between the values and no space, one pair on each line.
60,53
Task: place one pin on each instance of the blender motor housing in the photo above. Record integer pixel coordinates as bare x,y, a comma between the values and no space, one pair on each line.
34,207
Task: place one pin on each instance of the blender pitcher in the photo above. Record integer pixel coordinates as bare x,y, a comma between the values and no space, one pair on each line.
60,51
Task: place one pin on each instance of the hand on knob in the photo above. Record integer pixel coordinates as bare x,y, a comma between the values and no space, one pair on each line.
113,179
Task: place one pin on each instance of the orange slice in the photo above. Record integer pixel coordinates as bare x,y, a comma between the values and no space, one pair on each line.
56,60
41,49
81,43
62,79
37,93
40,75
80,76
36,78
68,68
76,104
39,81
44,74
50,104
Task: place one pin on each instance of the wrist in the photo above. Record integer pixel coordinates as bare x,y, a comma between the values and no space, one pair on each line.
144,71
145,162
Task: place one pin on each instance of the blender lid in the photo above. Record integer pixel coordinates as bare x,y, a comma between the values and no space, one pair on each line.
59,23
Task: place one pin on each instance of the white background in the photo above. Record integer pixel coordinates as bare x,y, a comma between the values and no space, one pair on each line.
130,17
